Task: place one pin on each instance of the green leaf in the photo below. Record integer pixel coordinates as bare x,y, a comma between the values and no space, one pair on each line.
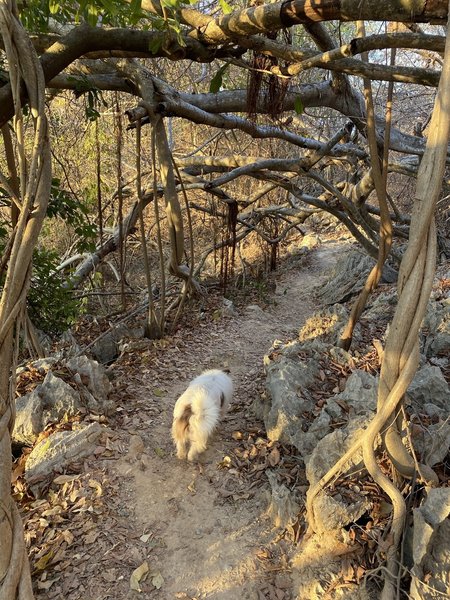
160,393
53,7
226,8
173,4
155,44
298,105
216,81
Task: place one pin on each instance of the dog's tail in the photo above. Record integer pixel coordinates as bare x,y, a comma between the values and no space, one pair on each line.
181,424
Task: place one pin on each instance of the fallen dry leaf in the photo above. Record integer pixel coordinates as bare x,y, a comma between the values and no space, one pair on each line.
137,575
274,457
157,580
94,484
159,393
159,452
65,479
91,537
41,564
225,463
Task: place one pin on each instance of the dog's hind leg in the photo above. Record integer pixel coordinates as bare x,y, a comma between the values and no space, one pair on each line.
181,448
180,432
199,440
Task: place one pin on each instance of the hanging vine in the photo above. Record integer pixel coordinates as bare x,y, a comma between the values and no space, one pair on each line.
263,86
119,144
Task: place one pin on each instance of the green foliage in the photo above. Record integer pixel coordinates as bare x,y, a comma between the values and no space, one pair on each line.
168,24
93,97
50,304
216,81
226,8
62,204
298,105
171,26
156,43
36,14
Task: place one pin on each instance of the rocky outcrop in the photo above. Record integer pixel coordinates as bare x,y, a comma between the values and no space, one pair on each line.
108,346
429,396
56,401
349,276
55,453
293,371
431,547
437,324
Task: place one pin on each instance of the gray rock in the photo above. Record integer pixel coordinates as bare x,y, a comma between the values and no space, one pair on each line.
324,326
44,365
382,307
437,321
431,547
311,240
332,447
429,386
106,349
59,400
429,393
359,398
255,312
283,507
69,344
333,512
93,384
288,379
433,444
349,277
28,422
55,453
360,395
55,401
228,307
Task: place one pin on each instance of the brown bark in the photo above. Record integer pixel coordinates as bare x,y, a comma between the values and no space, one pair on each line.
413,11
272,17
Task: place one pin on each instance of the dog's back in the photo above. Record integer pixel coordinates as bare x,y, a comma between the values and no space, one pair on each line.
198,410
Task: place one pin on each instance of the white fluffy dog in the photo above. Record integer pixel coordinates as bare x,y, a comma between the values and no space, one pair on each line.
198,411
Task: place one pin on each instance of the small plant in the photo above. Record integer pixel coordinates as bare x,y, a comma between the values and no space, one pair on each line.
51,305
64,205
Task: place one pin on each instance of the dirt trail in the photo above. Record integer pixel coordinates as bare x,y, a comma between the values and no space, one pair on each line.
201,529
205,541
